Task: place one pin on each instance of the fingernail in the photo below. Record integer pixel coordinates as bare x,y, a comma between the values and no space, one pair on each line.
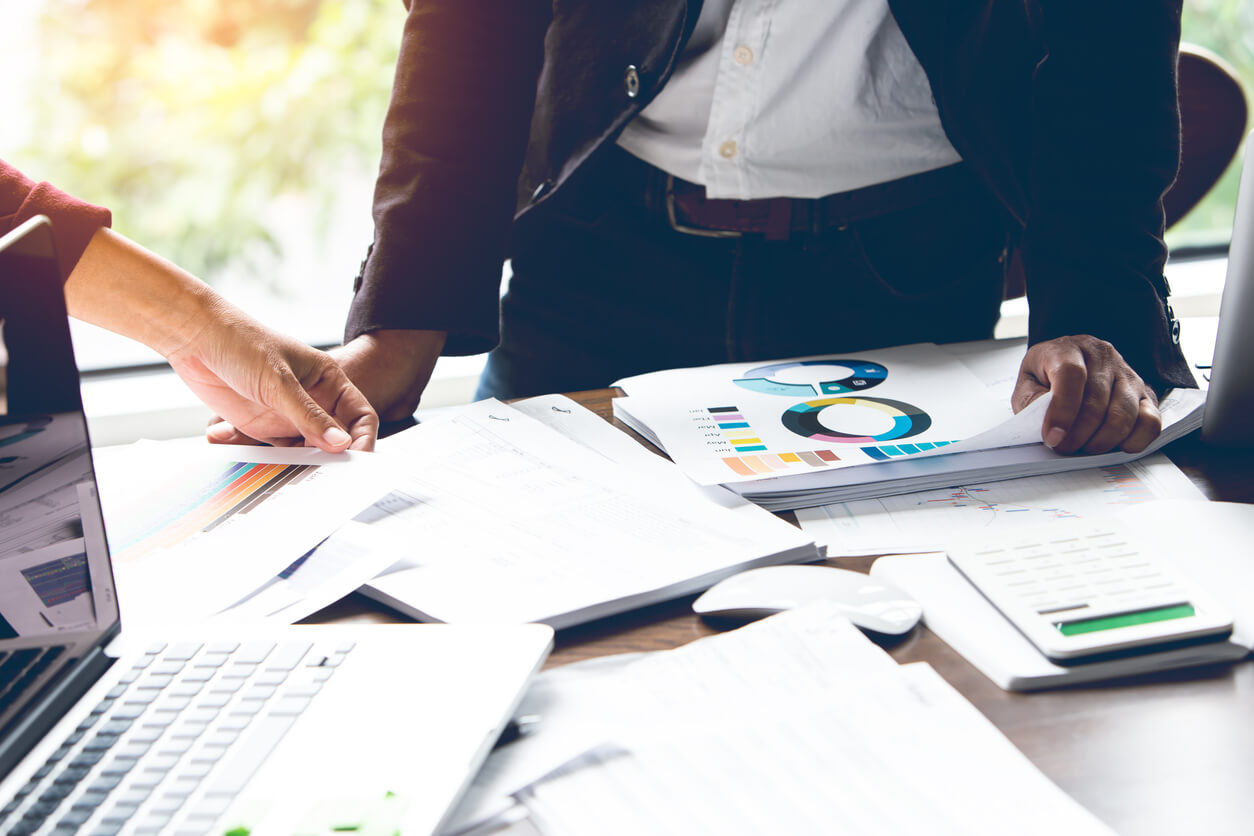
336,437
1055,436
220,431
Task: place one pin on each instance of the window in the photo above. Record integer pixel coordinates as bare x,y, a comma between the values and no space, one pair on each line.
238,138
1225,27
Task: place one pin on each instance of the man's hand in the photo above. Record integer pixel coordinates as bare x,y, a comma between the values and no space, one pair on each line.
392,367
271,388
1099,402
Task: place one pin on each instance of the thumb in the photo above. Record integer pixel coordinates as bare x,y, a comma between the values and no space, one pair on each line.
1027,389
311,420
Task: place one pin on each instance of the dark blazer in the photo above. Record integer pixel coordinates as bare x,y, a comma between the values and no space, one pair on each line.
1065,110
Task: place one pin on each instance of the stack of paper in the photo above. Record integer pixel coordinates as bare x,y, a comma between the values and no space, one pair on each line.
498,517
795,724
926,521
812,431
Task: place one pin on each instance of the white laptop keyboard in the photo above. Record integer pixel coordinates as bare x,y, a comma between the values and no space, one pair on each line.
185,727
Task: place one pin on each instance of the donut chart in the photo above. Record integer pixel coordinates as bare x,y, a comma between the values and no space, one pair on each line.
862,375
803,419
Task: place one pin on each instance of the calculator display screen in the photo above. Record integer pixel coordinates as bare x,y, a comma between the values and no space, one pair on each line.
1128,619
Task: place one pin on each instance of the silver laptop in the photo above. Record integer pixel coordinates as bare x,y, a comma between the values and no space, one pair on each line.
293,730
1230,398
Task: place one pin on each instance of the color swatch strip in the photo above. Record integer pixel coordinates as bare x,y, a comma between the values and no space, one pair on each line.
239,489
774,463
884,452
736,430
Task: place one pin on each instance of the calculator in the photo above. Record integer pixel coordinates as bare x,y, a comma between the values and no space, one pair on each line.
1081,589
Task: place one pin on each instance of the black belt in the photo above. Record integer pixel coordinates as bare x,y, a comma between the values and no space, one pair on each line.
689,211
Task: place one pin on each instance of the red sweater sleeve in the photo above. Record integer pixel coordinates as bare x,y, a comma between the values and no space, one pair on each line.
74,221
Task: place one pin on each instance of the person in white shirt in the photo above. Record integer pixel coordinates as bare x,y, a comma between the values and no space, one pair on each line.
733,180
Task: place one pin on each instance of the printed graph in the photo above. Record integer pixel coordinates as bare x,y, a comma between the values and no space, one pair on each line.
236,490
980,502
753,457
60,580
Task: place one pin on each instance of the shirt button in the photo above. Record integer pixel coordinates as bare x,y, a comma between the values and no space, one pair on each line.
742,55
631,81
728,149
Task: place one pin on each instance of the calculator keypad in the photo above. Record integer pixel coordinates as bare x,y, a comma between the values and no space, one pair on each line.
1088,571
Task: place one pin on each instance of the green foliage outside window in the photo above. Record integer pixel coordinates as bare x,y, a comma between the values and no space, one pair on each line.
203,123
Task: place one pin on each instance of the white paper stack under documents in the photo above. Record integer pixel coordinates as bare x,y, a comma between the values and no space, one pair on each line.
812,431
794,724
498,517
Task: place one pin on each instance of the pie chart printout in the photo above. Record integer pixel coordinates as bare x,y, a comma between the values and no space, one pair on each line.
835,376
820,420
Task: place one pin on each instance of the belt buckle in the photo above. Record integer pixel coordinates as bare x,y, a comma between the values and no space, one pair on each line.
673,219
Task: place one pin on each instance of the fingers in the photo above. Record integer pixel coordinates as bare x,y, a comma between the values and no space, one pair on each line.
322,404
355,413
391,367
1149,424
1099,403
221,432
1061,369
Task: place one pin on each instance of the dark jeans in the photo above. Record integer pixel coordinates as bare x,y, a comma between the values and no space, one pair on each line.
603,288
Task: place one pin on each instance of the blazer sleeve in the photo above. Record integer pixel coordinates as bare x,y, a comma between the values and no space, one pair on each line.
453,144
74,221
1105,147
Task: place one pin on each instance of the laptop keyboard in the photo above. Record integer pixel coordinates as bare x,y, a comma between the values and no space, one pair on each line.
178,737
20,668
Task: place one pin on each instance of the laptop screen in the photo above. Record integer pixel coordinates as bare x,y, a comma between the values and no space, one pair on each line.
57,600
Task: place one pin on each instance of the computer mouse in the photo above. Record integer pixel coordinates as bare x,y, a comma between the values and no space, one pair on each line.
868,602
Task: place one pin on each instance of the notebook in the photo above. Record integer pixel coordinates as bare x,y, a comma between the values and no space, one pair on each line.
1230,398
205,730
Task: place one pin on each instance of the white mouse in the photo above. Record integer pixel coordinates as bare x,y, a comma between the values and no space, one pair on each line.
868,602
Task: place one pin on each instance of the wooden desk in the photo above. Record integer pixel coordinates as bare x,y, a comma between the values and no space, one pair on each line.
1169,753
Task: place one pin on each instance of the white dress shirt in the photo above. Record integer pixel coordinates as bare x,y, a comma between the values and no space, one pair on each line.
787,98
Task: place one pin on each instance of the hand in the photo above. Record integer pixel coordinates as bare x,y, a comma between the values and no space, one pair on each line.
392,367
1099,402
271,388
266,387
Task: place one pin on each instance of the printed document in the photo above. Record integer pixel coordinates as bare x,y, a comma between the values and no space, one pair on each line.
497,517
797,724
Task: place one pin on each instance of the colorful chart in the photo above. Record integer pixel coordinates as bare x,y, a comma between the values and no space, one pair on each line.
862,376
58,581
734,429
776,464
803,419
1123,487
237,490
884,452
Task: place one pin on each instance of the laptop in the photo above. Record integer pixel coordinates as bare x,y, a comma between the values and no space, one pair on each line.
312,729
1230,396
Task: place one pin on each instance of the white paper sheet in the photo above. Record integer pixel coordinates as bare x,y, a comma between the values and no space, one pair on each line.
799,724
195,529
350,557
926,520
499,518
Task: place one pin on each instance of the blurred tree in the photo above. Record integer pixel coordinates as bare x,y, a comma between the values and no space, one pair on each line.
199,121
